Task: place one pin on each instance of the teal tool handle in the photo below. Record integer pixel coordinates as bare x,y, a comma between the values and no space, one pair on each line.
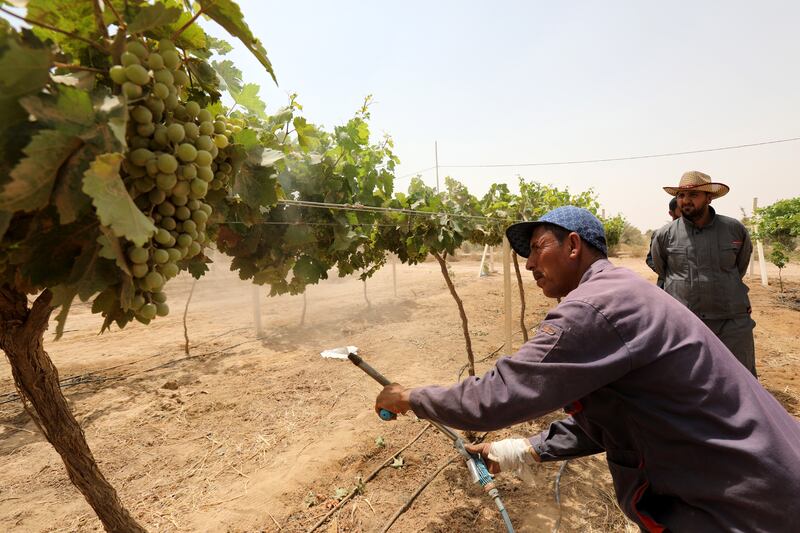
387,415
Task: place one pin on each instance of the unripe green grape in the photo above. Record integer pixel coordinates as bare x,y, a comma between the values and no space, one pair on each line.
166,182
168,223
192,108
201,237
140,270
194,249
236,129
182,213
175,132
137,254
129,59
206,128
164,76
188,171
219,126
152,167
180,112
137,74
160,90
140,156
192,130
117,74
158,297
199,216
214,152
155,61
131,90
167,209
147,311
225,167
179,199
193,205
215,185
184,240
199,187
160,134
189,226
142,115
157,196
162,236
165,44
221,141
156,217
144,184
171,59
136,48
160,256
204,142
181,189
137,302
146,130
203,158
162,309
181,78
205,174
134,171
154,281
174,254
186,152
167,163
207,208
171,102
169,270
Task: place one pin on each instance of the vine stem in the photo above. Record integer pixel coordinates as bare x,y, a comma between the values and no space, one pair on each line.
98,17
185,312
120,21
188,23
70,66
53,28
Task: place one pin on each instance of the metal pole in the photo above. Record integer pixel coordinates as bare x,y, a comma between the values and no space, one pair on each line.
750,270
394,275
436,154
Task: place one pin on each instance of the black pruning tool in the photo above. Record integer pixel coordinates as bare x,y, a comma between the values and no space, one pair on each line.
475,464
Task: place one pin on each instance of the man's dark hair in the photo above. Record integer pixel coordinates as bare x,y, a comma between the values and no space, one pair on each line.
673,204
561,233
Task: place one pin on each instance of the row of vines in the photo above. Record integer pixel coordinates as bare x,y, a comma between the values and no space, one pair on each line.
120,167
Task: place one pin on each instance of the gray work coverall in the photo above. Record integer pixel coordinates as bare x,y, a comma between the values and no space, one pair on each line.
703,268
692,440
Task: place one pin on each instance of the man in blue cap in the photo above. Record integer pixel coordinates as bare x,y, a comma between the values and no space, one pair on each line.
692,440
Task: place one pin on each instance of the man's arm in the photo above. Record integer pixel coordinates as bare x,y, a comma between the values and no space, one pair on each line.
649,259
552,370
743,259
564,440
658,254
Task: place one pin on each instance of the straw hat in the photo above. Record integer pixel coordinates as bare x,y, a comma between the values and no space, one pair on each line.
697,181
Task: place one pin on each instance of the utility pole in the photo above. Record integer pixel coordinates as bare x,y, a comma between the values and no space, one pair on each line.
436,155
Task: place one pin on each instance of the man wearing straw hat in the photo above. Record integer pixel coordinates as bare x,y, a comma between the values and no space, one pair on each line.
702,257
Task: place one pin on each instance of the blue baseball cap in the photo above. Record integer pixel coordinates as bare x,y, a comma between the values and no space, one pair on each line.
569,217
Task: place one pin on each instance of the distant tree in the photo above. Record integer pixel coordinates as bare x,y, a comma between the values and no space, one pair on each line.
779,258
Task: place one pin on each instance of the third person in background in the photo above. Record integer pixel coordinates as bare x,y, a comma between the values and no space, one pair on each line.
702,257
675,213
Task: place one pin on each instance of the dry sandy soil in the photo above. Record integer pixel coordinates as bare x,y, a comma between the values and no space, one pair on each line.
257,433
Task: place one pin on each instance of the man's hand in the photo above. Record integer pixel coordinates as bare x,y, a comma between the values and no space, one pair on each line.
395,398
483,451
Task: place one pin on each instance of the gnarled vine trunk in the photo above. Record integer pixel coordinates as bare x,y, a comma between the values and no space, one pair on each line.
521,298
36,378
464,324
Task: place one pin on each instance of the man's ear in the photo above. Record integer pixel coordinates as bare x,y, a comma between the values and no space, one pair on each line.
575,244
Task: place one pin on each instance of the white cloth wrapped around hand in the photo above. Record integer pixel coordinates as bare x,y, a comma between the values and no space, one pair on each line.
514,455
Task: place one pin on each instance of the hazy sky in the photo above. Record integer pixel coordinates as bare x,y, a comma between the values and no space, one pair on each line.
530,82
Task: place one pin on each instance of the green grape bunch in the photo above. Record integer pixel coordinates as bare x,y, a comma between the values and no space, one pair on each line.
176,153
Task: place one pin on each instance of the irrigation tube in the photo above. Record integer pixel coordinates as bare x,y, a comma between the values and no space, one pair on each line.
477,468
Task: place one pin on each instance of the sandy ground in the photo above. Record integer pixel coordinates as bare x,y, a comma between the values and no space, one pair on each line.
258,432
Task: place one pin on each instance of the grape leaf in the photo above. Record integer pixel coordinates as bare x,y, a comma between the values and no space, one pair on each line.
231,75
115,207
33,177
227,14
220,46
153,16
249,99
307,134
70,111
308,270
299,235
5,220
257,186
23,70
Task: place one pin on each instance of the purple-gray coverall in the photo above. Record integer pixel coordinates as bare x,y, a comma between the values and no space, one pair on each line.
692,440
